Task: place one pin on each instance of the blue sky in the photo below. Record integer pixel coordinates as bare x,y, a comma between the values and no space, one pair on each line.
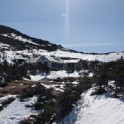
83,25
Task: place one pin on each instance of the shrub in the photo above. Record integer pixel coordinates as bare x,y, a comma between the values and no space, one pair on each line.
31,91
98,92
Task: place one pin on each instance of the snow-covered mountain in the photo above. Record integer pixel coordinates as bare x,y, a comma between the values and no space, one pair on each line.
15,45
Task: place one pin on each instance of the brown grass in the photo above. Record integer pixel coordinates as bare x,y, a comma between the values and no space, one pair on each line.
16,87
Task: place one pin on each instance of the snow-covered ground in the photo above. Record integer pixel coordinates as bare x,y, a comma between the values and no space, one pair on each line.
97,109
16,111
2,45
7,97
90,57
9,55
20,38
100,109
54,75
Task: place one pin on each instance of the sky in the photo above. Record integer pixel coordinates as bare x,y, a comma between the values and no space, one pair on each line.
82,25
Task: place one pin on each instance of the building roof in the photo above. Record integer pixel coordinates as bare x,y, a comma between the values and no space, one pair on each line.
72,61
32,60
54,59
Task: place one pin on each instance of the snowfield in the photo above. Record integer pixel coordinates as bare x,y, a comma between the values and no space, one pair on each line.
25,54
97,109
100,109
16,111
89,57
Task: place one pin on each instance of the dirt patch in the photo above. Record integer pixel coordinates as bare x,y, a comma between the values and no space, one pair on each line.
16,87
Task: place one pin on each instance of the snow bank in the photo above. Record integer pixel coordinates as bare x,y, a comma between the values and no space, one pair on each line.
97,110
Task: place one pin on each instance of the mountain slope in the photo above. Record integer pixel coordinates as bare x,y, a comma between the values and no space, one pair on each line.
19,41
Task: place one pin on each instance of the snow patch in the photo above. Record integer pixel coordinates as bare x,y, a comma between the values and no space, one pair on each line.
20,38
16,111
54,75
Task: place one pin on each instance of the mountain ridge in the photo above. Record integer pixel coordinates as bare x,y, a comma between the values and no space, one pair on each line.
11,36
15,45
11,31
